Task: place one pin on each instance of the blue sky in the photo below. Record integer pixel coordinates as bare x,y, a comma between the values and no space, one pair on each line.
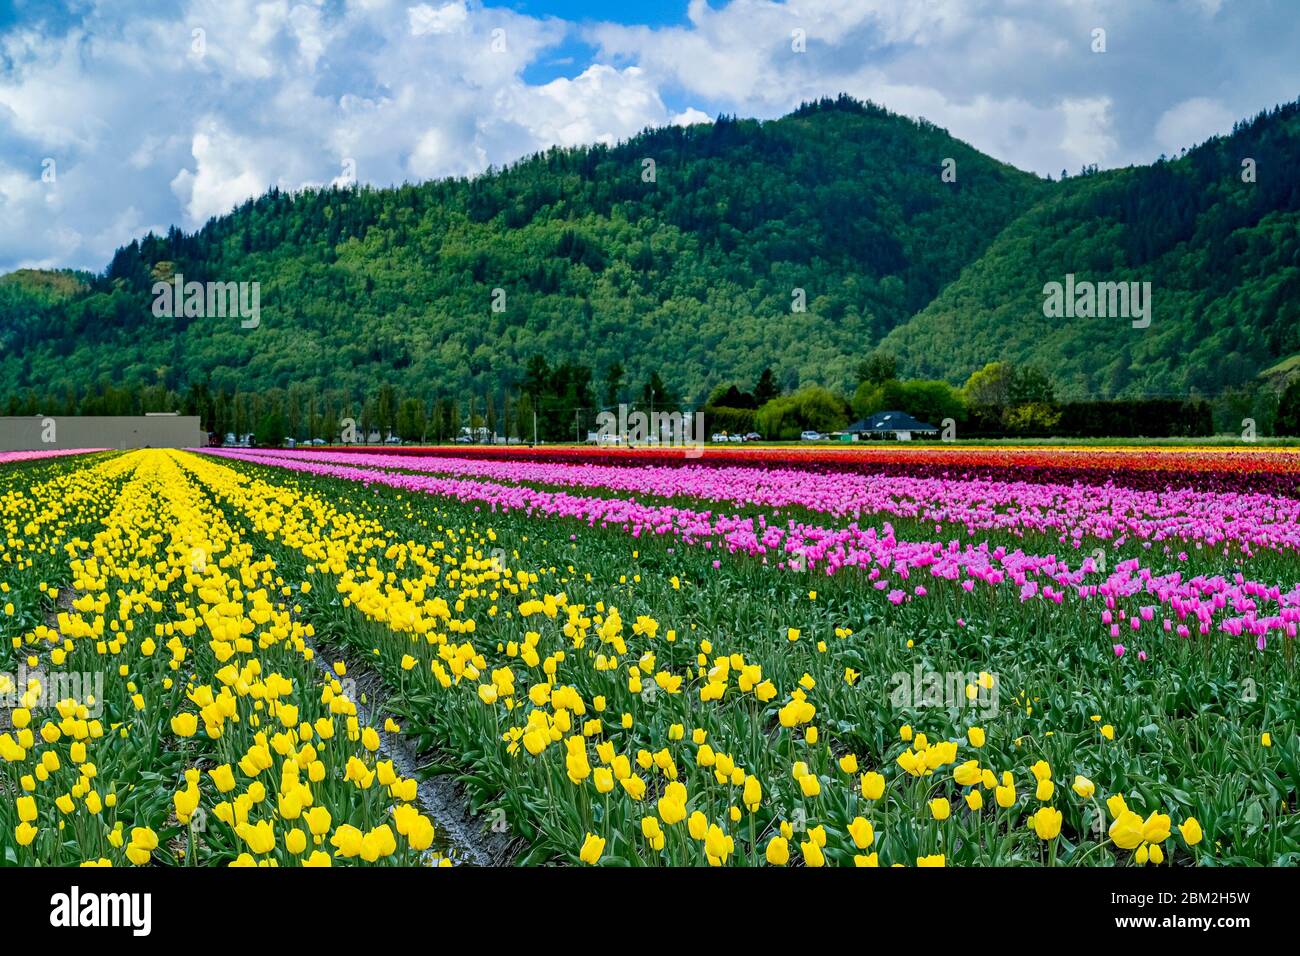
122,116
650,13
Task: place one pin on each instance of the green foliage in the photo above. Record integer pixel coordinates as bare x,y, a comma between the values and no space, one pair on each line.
733,411
766,389
880,366
1149,418
990,385
810,409
1287,420
1222,256
689,276
733,421
270,430
562,398
1032,418
929,401
412,420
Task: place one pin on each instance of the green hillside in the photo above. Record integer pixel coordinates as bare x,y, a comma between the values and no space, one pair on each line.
1222,256
688,280
691,276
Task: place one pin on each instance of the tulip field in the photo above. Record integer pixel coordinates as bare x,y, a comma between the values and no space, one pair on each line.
758,657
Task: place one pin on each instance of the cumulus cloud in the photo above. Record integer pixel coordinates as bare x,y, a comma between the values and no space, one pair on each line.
691,117
1023,81
1192,121
227,170
445,19
174,111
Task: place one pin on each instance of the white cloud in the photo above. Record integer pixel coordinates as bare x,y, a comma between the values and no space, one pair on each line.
600,105
1017,79
1088,137
227,172
690,117
426,19
1192,121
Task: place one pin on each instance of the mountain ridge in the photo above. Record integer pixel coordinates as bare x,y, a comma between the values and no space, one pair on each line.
696,274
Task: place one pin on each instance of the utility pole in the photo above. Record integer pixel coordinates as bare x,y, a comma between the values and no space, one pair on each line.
577,426
534,426
652,430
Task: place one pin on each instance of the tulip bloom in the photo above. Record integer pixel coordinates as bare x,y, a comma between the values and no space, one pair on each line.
862,832
185,724
420,834
1047,823
347,841
873,785
718,846
1126,830
592,848
651,830
812,854
778,851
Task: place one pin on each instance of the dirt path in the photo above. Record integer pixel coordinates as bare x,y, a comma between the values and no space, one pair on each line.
467,837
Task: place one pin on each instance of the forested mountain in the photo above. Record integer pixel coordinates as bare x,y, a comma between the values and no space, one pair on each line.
691,275
1217,234
683,255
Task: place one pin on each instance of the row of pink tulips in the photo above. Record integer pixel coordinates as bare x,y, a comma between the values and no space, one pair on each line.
1245,522
1134,599
6,457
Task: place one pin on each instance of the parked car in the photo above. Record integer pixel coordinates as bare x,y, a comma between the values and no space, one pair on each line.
318,441
736,438
718,436
392,440
463,440
812,436
753,436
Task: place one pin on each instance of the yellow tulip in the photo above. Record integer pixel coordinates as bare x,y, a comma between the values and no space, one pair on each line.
812,854
185,724
778,851
862,832
1126,830
592,848
347,841
651,830
873,785
1047,823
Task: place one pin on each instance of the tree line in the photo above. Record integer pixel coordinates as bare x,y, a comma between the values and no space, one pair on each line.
557,403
